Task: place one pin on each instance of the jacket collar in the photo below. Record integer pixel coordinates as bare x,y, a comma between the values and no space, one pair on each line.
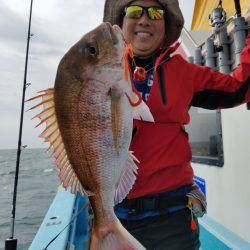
166,54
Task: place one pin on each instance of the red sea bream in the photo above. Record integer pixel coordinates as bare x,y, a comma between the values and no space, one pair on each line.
89,120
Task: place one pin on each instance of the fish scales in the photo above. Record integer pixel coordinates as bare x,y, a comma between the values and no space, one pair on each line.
86,123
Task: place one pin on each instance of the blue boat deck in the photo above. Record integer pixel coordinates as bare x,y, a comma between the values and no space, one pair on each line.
66,207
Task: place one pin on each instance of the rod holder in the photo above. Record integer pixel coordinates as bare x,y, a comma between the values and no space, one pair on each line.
198,59
224,55
210,55
240,29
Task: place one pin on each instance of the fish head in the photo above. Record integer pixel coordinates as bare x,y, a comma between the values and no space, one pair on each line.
98,58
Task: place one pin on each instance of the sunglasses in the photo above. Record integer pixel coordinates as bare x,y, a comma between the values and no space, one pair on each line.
136,12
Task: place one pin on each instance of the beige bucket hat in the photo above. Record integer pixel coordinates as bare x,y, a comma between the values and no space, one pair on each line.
174,19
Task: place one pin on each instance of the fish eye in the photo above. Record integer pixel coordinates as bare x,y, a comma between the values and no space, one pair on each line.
91,50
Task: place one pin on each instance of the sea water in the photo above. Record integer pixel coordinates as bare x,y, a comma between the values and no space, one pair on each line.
37,187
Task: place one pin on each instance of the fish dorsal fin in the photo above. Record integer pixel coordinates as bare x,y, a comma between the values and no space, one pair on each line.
52,135
127,179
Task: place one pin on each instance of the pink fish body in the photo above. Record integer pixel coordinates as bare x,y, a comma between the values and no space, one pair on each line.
89,122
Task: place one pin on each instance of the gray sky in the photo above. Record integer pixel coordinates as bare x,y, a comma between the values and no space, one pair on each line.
56,25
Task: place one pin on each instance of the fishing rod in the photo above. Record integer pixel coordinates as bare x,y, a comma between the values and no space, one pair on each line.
11,243
237,7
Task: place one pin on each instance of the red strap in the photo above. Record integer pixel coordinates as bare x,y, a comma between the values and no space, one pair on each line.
134,104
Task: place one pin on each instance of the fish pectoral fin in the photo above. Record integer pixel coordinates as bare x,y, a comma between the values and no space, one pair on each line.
115,114
127,179
140,109
142,112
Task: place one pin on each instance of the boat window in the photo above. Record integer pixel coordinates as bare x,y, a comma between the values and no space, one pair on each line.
205,136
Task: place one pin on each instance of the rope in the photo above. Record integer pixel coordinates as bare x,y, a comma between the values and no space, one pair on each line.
74,217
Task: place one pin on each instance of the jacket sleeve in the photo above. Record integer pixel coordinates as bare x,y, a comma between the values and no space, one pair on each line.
215,90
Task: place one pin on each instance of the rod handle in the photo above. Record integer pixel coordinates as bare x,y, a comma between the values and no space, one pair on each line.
237,7
11,244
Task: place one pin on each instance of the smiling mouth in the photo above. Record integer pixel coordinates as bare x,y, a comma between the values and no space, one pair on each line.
142,33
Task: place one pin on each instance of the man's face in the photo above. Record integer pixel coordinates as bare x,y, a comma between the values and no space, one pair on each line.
145,35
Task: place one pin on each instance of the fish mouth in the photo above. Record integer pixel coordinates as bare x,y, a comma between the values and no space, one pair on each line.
114,37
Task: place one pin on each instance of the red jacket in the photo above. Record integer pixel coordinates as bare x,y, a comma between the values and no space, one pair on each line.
163,147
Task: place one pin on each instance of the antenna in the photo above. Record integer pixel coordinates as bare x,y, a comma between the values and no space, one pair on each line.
11,243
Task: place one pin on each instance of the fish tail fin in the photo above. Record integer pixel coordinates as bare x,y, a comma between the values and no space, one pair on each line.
113,237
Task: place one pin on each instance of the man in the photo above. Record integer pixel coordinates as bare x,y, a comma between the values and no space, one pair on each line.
156,210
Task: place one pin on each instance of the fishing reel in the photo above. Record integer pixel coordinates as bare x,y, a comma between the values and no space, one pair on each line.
217,19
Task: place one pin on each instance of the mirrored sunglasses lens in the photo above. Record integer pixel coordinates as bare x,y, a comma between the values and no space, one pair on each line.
156,13
134,12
